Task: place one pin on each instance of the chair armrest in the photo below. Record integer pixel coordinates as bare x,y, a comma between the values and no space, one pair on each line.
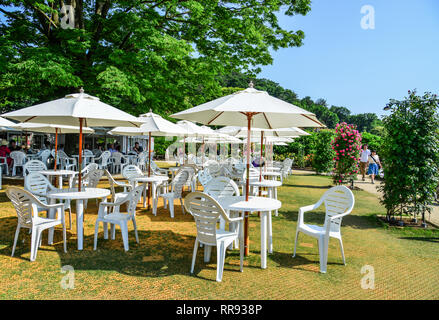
114,204
341,215
236,219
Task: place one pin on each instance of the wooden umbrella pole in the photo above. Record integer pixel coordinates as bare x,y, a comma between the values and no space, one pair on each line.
149,168
80,155
56,146
260,159
247,186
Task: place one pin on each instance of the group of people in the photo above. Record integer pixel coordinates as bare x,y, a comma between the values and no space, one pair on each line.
371,161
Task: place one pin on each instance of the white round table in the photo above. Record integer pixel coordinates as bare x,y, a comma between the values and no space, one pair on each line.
271,169
265,206
271,185
80,197
154,180
59,174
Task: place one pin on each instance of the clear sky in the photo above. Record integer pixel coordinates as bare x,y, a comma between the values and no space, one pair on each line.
356,68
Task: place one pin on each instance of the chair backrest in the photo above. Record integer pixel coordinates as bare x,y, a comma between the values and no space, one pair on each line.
220,187
337,200
142,158
33,166
206,212
88,152
25,205
204,176
38,184
131,171
134,198
191,159
179,181
253,174
45,154
117,157
112,183
213,166
191,170
91,179
105,156
18,157
89,167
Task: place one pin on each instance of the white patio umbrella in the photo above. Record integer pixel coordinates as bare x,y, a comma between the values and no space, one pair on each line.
152,125
77,108
252,107
51,128
5,124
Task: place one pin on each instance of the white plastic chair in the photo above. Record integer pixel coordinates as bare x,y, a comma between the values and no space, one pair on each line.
33,166
192,176
103,160
117,196
206,212
44,155
116,162
158,171
175,193
26,206
213,166
116,217
38,184
204,176
19,158
339,202
64,161
89,156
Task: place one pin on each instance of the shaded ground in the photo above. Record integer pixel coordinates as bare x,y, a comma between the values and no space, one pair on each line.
405,262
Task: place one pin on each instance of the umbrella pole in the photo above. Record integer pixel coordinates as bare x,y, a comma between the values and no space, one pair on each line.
80,155
56,146
260,158
149,167
202,154
247,185
184,150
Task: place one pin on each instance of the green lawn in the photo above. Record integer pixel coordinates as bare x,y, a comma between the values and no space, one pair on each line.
405,262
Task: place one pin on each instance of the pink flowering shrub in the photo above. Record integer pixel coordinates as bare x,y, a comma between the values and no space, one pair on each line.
346,145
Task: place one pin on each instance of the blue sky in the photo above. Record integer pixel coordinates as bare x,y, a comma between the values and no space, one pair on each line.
356,68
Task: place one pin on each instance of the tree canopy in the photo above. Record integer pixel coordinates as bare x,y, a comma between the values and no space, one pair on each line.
136,55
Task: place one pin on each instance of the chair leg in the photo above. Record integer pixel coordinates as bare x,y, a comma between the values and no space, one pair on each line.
220,253
171,207
95,243
70,218
113,231
295,242
207,253
64,236
105,230
17,232
342,251
194,255
34,244
124,229
135,229
323,254
164,203
182,206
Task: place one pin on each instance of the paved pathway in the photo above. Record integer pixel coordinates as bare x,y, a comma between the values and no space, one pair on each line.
372,188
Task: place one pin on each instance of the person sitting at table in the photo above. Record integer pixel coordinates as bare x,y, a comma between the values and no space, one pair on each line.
13,146
46,145
111,148
5,151
137,148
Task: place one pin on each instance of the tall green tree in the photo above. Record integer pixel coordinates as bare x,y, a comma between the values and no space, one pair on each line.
164,55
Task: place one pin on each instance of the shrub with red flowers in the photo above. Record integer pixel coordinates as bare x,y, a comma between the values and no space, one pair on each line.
346,145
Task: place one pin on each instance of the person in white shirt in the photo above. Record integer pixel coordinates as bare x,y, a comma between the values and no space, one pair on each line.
374,165
364,160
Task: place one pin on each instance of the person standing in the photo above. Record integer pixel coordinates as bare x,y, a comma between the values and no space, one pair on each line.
374,165
364,160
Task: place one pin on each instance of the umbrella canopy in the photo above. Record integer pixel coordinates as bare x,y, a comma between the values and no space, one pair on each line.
267,112
77,108
151,123
193,130
241,132
4,123
51,128
250,107
71,108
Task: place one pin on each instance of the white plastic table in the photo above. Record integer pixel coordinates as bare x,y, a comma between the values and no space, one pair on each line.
265,206
154,180
273,175
80,197
59,174
271,185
